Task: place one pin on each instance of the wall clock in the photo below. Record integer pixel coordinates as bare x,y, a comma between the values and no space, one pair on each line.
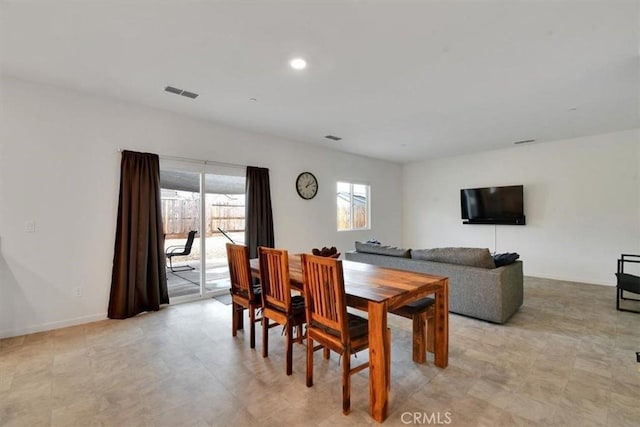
307,185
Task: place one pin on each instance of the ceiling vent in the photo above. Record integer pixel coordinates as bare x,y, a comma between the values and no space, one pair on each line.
177,91
333,137
526,141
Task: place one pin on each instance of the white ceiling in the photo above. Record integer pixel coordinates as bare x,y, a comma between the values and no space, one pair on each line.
397,80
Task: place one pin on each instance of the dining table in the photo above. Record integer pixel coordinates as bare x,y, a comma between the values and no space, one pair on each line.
377,290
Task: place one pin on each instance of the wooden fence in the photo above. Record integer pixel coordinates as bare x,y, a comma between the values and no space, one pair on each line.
359,218
180,216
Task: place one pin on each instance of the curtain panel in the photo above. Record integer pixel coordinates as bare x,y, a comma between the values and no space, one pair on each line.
258,216
139,280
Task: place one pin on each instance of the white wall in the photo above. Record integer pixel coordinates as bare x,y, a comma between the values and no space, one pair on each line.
59,166
581,196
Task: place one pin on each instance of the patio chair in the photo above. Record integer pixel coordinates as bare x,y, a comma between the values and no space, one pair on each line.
627,282
181,250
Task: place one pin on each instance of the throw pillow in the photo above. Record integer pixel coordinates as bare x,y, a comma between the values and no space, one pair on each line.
472,257
505,258
378,249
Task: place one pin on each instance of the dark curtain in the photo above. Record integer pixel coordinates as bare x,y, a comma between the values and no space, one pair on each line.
138,280
258,216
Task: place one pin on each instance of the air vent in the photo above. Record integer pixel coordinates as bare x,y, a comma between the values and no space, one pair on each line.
173,90
189,94
526,141
333,137
177,91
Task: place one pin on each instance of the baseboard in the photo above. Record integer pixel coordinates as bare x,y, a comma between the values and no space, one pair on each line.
572,280
52,325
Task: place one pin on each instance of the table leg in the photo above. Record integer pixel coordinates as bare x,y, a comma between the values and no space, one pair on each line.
419,338
442,326
379,361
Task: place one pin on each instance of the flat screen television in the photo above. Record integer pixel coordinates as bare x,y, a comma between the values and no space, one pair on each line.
493,205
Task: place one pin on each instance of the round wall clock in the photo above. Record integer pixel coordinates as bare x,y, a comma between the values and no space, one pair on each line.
307,185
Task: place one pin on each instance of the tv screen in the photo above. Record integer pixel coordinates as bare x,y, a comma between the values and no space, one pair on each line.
493,205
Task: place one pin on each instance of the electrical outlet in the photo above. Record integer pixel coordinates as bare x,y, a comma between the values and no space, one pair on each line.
30,226
77,291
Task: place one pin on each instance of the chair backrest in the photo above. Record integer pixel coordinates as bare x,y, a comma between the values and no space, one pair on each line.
274,278
325,298
187,246
239,270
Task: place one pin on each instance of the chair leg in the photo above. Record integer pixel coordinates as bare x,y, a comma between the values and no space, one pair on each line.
346,381
309,361
620,296
173,270
234,319
325,352
299,336
265,336
240,317
252,327
289,356
419,337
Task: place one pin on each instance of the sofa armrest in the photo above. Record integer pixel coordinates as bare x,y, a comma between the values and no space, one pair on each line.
511,289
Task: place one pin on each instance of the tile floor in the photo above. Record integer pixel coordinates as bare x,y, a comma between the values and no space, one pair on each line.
567,358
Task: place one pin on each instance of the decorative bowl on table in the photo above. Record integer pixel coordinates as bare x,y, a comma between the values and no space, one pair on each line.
331,252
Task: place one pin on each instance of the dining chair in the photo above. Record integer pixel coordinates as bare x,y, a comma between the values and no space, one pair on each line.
328,321
422,313
277,302
244,294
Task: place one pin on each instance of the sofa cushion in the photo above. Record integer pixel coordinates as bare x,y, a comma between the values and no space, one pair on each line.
382,250
505,258
472,257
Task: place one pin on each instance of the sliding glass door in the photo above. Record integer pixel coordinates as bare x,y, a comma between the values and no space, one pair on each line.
224,223
208,199
181,207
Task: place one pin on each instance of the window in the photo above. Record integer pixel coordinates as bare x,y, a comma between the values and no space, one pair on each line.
353,206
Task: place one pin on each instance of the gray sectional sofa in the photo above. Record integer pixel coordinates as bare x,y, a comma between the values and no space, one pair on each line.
476,287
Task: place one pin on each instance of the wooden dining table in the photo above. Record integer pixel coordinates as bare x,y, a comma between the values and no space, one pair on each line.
376,290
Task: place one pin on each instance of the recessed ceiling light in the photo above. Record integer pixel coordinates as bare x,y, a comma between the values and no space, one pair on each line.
298,64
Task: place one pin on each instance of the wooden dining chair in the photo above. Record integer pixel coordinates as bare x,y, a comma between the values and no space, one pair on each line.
277,302
328,321
422,313
244,294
